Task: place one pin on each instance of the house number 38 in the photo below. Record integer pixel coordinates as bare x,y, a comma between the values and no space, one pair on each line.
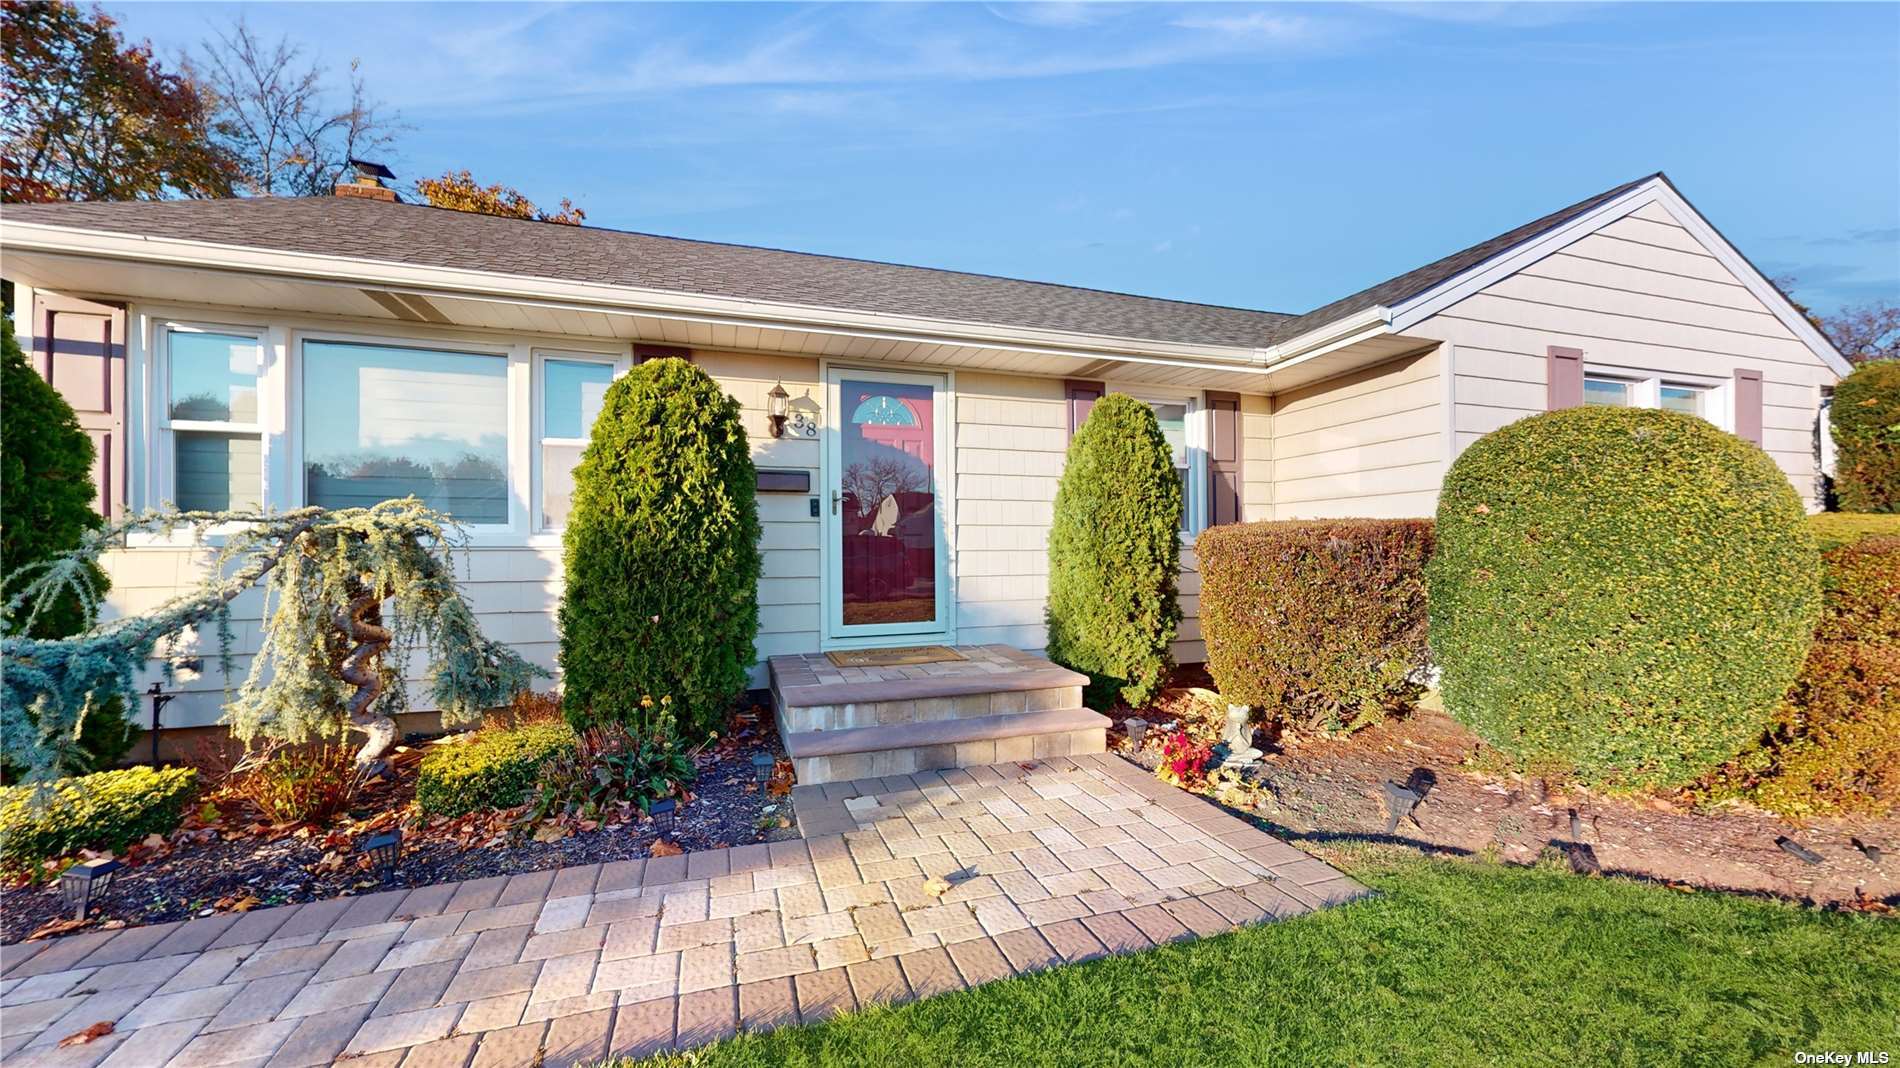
802,425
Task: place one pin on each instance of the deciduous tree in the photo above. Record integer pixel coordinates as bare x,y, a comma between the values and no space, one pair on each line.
461,192
281,122
86,116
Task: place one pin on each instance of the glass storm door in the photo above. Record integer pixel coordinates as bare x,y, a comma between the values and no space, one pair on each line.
884,543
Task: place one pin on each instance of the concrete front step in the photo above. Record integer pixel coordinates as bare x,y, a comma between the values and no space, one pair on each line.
935,699
823,756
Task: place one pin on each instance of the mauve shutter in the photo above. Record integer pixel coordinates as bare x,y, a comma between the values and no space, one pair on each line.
642,353
1223,458
1082,396
79,348
1565,377
1748,405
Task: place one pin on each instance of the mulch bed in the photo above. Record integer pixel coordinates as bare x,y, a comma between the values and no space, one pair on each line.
209,872
1319,791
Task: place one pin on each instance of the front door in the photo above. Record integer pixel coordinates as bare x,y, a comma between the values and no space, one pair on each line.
885,453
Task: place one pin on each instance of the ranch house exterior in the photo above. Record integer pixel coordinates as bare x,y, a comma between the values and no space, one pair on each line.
336,351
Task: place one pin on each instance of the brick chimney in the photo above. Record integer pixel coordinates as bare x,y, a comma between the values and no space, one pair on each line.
367,181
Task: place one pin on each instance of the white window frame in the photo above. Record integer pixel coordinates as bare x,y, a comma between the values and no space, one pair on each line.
510,355
538,402
164,443
1646,384
1197,487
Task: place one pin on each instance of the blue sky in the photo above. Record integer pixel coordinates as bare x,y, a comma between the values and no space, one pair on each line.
1262,156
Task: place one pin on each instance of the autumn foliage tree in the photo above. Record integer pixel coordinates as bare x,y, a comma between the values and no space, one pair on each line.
461,192
86,116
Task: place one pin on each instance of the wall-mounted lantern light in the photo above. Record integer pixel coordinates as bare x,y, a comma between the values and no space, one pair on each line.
778,404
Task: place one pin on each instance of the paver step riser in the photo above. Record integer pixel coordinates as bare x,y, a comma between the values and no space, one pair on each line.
843,767
797,719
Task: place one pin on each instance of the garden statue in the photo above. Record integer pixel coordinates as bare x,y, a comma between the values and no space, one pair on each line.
347,594
1238,738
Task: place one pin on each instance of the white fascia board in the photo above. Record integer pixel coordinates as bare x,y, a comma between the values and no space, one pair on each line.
428,281
1360,325
1408,313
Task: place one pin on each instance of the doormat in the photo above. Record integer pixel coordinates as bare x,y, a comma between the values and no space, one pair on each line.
902,657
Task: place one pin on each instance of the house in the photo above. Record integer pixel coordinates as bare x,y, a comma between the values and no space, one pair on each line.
909,424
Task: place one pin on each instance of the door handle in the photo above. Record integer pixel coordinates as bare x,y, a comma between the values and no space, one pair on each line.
834,502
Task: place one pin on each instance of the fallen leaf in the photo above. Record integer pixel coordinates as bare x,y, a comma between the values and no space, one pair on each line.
55,927
549,832
937,887
154,841
80,1038
664,848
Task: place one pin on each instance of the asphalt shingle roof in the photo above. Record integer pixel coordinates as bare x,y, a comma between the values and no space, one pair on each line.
435,237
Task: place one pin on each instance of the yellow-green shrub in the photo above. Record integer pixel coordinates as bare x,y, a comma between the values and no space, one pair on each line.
1835,745
1833,529
1622,594
1866,420
107,810
494,768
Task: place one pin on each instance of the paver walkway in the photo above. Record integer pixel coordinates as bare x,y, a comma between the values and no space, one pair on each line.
1053,861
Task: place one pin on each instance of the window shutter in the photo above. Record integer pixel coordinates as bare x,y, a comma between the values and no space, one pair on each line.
1082,396
1565,378
79,348
1748,405
1223,458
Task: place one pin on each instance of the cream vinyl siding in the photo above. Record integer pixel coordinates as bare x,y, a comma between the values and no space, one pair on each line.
1641,292
1012,434
1369,443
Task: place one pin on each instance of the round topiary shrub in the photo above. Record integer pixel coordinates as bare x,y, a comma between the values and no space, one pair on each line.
1114,552
1866,419
662,554
1619,594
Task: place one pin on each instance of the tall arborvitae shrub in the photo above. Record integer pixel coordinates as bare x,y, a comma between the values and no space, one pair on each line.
662,550
1621,594
1114,551
46,506
1866,419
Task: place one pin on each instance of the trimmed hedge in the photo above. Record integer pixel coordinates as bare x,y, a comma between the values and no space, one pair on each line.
1834,529
495,768
1835,745
662,554
1114,552
1866,420
1619,594
107,810
1321,624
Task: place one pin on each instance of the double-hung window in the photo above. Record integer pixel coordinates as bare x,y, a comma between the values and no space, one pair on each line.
1181,425
212,438
382,421
572,390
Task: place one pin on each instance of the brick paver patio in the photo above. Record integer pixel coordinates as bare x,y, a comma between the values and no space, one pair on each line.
1052,861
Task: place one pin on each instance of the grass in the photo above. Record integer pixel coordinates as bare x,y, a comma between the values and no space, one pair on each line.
1457,962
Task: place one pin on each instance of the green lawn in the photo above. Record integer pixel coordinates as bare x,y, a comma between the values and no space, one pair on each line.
1456,963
